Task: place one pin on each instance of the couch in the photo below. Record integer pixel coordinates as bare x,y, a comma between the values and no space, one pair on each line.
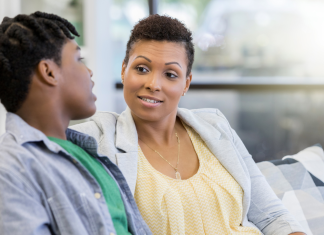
298,180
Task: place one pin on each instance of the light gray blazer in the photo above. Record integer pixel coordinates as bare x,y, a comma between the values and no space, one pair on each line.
117,138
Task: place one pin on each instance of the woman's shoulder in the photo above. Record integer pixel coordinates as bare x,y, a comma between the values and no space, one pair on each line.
98,124
211,115
206,118
105,117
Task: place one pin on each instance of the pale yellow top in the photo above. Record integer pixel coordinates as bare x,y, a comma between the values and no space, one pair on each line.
210,202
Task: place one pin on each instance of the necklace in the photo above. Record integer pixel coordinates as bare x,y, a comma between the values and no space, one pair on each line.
177,173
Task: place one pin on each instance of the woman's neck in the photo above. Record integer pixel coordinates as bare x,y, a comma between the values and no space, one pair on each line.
161,132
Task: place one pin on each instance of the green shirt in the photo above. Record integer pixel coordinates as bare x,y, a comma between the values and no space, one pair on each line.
107,183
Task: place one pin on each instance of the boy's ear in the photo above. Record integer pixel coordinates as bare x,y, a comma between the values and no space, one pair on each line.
48,72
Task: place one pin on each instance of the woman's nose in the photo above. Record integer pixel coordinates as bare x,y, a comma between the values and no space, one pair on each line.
153,83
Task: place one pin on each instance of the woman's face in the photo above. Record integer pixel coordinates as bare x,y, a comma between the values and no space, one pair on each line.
155,79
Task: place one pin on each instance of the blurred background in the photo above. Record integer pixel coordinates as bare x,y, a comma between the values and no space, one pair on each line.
259,61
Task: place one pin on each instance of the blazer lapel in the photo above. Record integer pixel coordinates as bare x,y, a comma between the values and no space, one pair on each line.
215,138
127,141
127,163
219,144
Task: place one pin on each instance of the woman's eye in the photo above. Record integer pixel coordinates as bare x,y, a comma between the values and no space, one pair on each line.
141,69
171,75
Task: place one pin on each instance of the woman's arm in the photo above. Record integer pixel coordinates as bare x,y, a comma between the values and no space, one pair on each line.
266,210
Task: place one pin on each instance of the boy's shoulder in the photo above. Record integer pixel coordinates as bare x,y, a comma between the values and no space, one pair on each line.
12,154
8,143
17,154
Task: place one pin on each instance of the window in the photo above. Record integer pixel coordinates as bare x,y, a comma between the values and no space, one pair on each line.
72,10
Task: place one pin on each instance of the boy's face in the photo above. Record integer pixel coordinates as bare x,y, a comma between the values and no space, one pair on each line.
75,83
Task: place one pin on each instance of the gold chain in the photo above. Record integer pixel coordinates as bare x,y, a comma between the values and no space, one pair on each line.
175,168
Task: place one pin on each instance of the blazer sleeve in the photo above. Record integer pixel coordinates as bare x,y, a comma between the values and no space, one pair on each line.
89,128
266,210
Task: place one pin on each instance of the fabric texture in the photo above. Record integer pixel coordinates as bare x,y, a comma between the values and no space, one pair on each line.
210,202
108,185
46,191
118,140
298,180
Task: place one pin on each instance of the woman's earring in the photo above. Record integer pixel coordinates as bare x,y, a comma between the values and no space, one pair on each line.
184,93
122,81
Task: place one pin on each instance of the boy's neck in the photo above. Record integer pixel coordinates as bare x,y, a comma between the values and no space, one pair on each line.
47,120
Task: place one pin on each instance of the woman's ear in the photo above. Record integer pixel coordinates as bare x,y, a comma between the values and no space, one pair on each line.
123,71
188,81
48,72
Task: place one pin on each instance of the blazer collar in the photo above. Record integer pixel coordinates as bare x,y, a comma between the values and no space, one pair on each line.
222,147
206,131
215,138
126,133
218,142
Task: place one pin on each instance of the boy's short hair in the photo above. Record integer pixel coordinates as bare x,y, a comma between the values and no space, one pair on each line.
162,28
25,40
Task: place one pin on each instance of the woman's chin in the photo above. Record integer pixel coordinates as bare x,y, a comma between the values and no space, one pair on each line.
149,116
152,115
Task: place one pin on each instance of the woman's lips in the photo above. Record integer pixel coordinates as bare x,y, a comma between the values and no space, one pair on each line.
148,104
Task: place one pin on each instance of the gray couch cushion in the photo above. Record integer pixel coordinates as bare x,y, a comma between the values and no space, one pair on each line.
298,180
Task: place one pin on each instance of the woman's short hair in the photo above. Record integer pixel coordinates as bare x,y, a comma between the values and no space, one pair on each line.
162,28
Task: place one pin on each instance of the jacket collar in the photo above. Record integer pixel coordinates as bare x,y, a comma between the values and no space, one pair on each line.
126,133
220,145
214,137
206,131
24,133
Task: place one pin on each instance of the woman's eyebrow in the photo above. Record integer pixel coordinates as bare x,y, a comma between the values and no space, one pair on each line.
173,63
140,56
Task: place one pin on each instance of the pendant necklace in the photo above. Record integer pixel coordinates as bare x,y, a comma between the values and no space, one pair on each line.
177,173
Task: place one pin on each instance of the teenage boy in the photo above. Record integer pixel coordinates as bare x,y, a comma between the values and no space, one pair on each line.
52,179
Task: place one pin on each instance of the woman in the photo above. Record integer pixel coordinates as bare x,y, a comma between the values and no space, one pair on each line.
189,171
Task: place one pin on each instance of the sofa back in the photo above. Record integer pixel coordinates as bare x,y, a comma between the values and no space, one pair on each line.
298,180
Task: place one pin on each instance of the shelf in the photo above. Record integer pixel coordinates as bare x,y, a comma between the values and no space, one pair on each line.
248,86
